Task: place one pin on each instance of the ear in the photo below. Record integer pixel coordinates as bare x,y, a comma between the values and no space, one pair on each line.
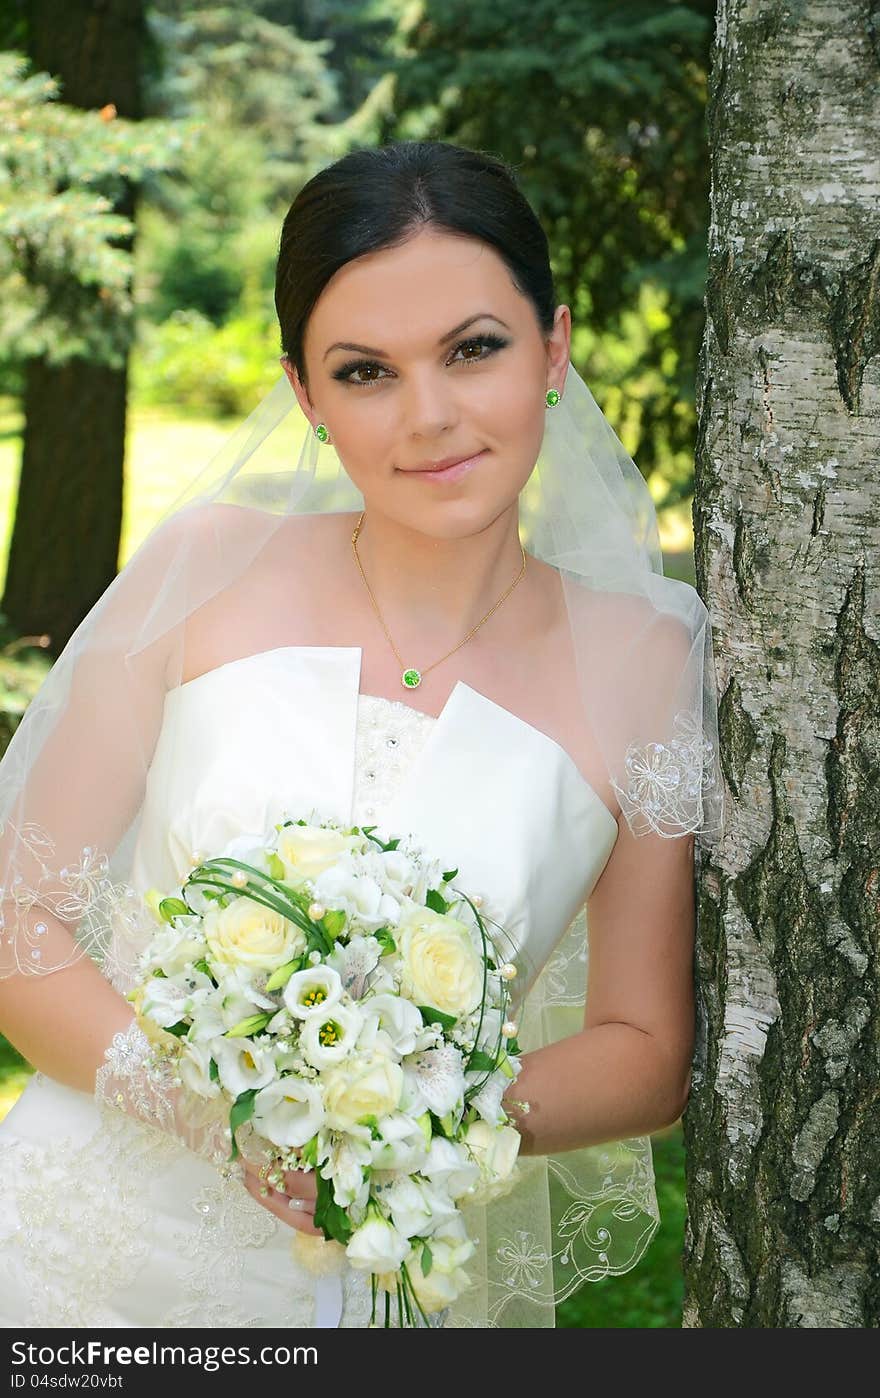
302,396
559,348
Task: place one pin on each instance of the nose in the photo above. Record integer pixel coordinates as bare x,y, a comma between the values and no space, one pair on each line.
430,405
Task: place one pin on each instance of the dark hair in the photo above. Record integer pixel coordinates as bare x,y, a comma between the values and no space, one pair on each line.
379,197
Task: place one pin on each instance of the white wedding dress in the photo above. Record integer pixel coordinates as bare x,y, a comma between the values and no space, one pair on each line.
123,1226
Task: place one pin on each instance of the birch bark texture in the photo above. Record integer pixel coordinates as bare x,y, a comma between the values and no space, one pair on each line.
782,1129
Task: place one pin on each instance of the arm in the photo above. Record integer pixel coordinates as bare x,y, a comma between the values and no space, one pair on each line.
627,1072
71,782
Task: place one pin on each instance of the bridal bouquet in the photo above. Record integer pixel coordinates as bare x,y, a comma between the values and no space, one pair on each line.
348,1006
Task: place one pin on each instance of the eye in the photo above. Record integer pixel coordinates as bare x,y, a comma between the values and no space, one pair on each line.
488,342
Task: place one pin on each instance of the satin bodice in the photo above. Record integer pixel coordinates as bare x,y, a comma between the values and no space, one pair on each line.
287,733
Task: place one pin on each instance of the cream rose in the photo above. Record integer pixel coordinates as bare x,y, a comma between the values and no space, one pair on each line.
250,935
440,964
368,1086
309,849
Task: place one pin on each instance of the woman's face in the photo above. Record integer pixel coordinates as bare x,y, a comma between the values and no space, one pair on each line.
425,352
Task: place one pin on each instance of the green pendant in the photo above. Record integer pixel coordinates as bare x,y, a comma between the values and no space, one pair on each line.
411,679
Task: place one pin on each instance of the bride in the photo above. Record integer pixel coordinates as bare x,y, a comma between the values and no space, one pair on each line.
254,658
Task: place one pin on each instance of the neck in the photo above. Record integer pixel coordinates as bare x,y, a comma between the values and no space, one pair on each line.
431,592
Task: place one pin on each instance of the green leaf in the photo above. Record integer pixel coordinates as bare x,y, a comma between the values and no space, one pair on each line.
202,965
328,1214
448,877
385,940
242,1109
432,1016
436,901
252,1025
180,1029
480,1062
213,1071
276,865
427,1259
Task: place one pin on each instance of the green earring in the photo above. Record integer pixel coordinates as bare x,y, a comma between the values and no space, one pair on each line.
552,397
321,433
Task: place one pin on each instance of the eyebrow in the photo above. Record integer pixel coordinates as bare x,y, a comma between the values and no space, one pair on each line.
450,335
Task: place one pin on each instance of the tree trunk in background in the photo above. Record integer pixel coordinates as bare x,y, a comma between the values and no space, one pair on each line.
782,1130
64,549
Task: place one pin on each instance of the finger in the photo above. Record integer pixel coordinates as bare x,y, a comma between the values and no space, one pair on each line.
278,1205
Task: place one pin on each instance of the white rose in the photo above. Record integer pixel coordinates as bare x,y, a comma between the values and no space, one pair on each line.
289,1111
377,1246
440,966
368,1086
307,850
249,935
495,1149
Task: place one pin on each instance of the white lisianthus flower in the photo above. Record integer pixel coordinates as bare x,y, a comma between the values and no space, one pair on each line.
346,1162
495,1149
360,1087
450,1165
242,1064
399,870
399,1018
250,849
488,1100
359,895
401,1144
451,1248
307,850
438,1075
250,935
440,965
329,1034
376,1246
405,1201
289,1111
315,987
172,949
195,1069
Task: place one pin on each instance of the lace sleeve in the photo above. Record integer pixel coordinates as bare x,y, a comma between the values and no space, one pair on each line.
138,1081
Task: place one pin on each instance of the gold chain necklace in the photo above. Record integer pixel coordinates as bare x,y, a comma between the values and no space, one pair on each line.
411,677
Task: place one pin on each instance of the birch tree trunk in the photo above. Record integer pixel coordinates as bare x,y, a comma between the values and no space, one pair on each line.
782,1129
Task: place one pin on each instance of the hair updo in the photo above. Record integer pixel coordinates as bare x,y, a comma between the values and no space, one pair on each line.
381,196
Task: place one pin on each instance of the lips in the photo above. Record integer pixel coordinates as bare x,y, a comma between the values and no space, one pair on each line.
449,472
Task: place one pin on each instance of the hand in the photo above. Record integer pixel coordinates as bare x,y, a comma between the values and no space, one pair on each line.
298,1184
